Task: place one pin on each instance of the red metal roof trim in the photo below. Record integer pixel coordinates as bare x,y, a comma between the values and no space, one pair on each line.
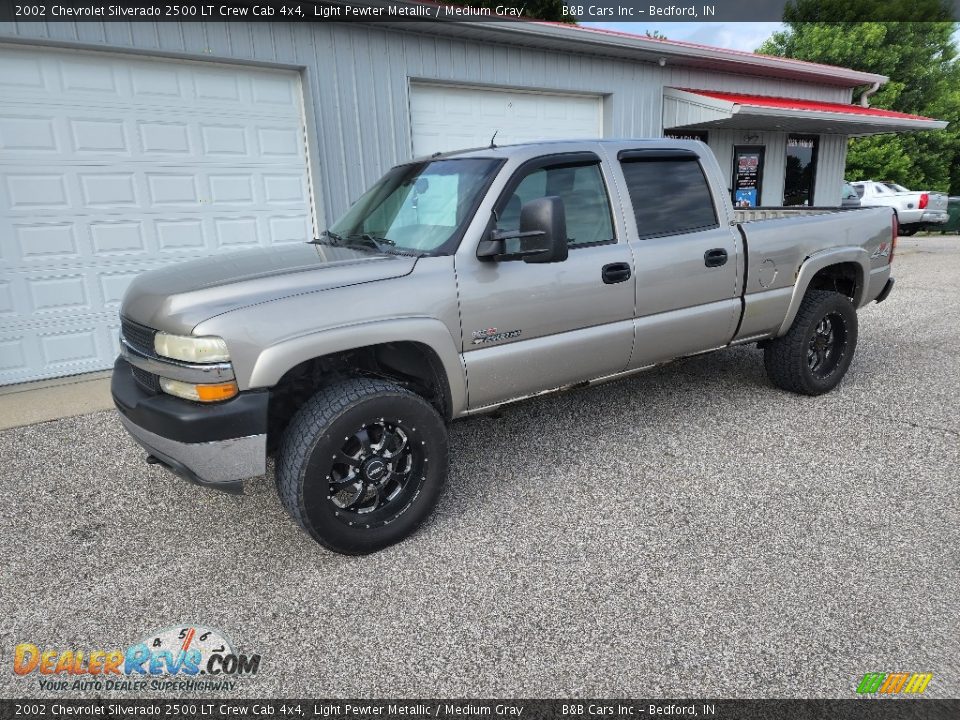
797,104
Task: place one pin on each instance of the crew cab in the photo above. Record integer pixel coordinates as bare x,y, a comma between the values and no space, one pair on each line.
915,210
462,282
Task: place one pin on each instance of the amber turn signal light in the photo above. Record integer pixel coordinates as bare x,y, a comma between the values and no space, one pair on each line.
200,393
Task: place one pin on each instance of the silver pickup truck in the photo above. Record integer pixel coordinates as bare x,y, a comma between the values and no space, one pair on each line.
462,282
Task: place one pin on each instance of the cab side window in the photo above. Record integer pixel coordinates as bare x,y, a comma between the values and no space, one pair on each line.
669,197
584,195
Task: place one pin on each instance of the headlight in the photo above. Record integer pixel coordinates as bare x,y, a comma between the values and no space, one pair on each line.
191,349
199,393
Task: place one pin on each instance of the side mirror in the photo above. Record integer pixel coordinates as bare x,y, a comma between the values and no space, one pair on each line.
542,234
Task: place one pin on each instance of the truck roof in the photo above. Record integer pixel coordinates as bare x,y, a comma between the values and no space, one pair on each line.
542,147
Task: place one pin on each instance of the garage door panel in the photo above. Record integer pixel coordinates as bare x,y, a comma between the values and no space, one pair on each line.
82,241
285,189
23,70
288,229
153,82
82,190
59,349
110,166
447,118
28,133
79,80
29,192
180,234
6,298
117,237
48,135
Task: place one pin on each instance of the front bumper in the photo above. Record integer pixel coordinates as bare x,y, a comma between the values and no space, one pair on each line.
217,445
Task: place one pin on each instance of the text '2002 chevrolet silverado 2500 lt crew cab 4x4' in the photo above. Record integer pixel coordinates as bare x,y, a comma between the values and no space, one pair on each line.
462,282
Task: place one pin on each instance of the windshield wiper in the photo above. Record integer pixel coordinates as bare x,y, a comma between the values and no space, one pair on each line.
361,241
380,244
328,237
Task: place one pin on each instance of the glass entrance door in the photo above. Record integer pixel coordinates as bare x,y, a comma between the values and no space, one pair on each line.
801,170
747,175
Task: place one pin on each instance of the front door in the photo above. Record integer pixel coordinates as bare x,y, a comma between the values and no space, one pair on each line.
529,327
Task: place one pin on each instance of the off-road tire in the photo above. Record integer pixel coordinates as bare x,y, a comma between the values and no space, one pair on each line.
322,431
787,359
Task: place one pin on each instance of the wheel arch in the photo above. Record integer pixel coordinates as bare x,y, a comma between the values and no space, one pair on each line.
843,270
397,349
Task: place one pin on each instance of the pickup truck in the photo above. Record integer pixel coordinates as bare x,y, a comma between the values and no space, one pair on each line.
462,282
915,210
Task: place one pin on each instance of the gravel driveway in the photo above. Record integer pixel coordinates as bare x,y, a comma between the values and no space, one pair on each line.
689,531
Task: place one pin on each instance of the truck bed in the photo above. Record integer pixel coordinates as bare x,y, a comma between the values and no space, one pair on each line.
780,240
746,215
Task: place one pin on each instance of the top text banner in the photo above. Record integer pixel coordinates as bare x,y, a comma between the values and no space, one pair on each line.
648,12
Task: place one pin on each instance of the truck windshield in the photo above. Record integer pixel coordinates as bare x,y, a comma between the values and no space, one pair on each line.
420,207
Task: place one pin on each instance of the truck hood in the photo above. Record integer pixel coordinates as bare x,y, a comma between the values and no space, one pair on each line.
178,297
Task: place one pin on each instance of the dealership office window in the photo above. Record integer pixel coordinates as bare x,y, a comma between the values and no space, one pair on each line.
800,171
669,197
584,199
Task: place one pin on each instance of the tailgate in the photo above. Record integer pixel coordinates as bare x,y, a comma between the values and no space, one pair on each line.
938,202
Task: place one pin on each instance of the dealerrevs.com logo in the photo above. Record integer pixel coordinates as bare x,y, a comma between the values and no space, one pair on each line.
178,658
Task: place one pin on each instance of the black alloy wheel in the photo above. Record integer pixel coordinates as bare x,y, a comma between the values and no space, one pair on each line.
362,464
371,475
827,345
815,353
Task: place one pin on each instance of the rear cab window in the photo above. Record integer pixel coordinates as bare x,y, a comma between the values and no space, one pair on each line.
669,192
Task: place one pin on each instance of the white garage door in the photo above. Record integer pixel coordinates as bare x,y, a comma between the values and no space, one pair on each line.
446,118
110,165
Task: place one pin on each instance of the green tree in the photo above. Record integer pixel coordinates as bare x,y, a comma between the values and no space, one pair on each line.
920,58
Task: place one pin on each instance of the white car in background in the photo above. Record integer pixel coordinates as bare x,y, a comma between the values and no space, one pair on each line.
915,209
849,196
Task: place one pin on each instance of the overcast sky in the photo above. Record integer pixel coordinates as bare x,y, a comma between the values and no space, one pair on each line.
736,36
746,36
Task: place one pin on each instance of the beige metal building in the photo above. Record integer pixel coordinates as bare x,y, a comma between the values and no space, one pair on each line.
125,146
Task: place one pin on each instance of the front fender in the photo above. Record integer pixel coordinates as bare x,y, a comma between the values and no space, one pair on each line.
273,362
817,262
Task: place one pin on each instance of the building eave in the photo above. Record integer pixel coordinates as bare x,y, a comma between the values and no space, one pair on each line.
692,110
597,41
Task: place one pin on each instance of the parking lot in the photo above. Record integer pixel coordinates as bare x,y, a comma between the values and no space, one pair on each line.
689,531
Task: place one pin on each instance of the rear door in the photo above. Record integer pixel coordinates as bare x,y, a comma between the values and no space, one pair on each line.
687,260
532,327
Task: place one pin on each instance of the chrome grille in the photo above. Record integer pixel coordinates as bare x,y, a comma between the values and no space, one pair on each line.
140,337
